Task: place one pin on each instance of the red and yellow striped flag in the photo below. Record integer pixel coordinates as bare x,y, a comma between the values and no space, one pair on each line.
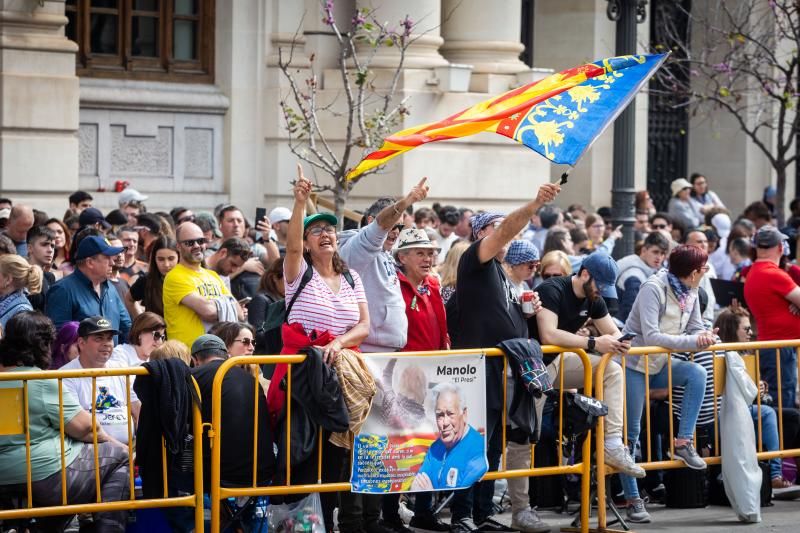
504,114
483,116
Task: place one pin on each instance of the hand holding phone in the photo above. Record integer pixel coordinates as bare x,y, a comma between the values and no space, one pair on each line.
245,301
626,337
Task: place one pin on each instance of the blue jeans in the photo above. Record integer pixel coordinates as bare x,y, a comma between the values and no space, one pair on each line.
769,373
691,376
769,435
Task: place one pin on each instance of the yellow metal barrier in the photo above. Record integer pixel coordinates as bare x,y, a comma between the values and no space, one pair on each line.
752,366
218,493
14,421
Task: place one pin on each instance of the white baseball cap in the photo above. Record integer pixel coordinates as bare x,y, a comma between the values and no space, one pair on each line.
130,195
279,214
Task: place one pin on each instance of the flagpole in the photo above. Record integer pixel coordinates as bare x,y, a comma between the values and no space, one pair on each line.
623,191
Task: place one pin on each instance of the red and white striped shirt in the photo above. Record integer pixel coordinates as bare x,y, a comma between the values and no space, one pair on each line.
318,308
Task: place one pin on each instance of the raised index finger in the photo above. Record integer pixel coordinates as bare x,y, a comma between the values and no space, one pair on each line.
422,182
300,171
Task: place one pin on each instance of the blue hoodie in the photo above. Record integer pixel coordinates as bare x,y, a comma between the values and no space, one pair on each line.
362,250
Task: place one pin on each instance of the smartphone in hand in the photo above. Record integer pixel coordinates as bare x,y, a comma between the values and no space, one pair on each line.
626,337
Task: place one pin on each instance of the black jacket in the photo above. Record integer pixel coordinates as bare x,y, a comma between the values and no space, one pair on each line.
316,401
531,380
166,395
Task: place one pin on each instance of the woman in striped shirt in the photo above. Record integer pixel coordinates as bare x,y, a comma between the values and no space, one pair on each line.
331,310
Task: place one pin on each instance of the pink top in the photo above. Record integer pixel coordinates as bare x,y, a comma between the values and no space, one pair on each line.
318,308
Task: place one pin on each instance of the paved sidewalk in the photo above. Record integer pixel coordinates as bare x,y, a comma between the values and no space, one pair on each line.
781,517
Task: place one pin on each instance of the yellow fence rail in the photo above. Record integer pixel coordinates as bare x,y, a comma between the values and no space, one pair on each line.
752,364
14,420
218,493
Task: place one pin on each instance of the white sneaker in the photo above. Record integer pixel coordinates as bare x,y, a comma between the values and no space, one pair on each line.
637,512
621,460
528,521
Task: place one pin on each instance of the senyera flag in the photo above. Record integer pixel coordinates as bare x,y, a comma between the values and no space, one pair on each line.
559,116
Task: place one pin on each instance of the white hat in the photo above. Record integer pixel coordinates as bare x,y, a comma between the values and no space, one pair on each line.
279,214
679,184
5,213
722,224
411,238
130,195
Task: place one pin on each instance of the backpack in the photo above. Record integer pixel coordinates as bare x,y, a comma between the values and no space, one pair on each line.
277,313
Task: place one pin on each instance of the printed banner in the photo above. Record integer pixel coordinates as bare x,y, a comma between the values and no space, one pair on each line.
427,426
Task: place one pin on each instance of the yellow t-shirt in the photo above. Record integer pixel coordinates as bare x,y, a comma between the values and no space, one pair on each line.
183,323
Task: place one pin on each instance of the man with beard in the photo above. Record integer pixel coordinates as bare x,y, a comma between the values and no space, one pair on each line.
567,303
195,297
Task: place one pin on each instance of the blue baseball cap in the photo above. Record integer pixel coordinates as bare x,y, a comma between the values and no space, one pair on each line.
95,245
604,272
521,251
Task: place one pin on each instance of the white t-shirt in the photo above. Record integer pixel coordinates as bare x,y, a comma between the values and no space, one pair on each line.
444,243
126,354
109,398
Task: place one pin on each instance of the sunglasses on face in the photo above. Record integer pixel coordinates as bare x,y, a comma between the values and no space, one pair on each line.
316,231
158,336
548,276
191,242
658,226
247,342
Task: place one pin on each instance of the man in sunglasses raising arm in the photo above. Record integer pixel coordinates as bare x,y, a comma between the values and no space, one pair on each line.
195,297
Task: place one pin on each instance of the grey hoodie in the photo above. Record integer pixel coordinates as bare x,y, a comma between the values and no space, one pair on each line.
362,250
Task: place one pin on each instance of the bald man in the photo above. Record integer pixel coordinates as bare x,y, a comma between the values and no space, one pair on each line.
19,222
195,297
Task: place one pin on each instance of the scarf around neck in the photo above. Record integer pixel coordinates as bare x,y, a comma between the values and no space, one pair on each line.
684,294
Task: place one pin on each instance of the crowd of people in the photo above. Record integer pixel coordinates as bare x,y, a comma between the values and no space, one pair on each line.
89,290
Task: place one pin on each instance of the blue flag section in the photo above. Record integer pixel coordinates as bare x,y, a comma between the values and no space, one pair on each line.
564,126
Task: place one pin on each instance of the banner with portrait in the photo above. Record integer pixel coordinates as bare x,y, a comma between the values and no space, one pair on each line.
427,426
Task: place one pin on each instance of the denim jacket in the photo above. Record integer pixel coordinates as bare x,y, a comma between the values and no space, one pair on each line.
74,298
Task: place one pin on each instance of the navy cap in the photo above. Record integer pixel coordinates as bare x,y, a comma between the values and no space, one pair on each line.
91,216
604,272
94,245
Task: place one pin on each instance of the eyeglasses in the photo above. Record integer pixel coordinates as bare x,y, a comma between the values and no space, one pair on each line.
598,226
316,231
158,336
533,265
191,242
247,342
658,226
548,276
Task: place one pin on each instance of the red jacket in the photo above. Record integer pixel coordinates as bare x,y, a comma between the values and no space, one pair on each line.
427,322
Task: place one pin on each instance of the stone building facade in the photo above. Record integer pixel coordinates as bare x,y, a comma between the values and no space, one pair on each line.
181,99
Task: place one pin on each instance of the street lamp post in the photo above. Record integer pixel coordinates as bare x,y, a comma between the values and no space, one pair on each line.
626,13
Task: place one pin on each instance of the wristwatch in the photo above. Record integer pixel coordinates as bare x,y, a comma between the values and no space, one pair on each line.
590,344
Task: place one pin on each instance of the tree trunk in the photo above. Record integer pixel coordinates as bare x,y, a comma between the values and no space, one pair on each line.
780,194
340,194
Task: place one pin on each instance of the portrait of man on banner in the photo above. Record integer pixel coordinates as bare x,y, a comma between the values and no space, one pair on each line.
426,429
458,457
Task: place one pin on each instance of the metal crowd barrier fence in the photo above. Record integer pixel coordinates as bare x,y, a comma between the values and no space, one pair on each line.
752,363
14,421
218,492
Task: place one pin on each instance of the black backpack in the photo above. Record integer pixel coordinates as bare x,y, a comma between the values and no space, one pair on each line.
277,312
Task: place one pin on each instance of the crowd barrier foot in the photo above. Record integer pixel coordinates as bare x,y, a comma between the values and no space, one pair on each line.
575,526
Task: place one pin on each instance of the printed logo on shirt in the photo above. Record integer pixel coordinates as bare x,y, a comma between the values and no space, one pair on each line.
209,290
452,477
105,400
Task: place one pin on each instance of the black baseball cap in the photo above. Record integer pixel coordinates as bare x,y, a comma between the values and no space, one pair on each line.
91,216
208,342
95,324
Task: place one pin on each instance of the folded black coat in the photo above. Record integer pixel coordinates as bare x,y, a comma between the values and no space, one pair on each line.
166,395
531,380
317,401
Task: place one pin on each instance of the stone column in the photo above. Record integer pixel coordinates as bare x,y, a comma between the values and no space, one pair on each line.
487,36
424,51
39,99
